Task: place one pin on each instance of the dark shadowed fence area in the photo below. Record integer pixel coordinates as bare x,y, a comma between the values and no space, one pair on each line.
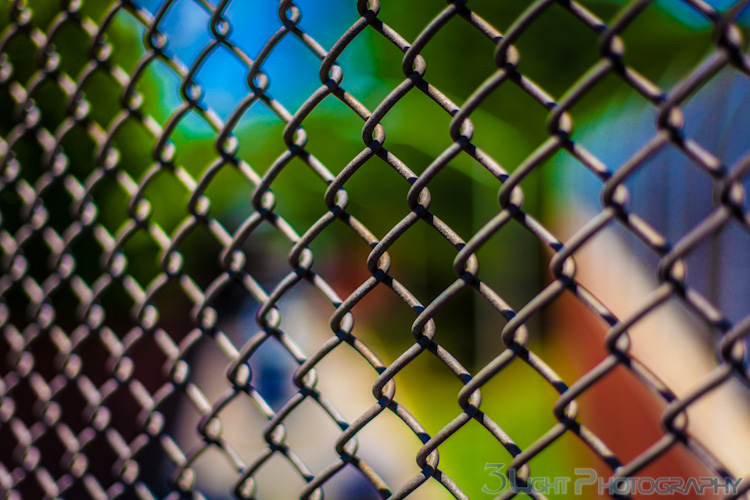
230,230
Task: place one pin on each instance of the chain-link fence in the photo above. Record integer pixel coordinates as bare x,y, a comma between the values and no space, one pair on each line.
198,200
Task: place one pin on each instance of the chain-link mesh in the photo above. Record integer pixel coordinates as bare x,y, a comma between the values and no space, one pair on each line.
101,353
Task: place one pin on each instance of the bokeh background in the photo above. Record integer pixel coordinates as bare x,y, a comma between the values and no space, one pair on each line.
666,42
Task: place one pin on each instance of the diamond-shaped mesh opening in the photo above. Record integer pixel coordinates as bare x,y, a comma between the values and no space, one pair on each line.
470,49
689,40
556,24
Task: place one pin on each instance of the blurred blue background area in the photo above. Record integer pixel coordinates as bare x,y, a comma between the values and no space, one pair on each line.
683,11
670,191
223,75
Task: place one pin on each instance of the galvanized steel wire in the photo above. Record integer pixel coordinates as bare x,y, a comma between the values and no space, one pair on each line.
35,417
